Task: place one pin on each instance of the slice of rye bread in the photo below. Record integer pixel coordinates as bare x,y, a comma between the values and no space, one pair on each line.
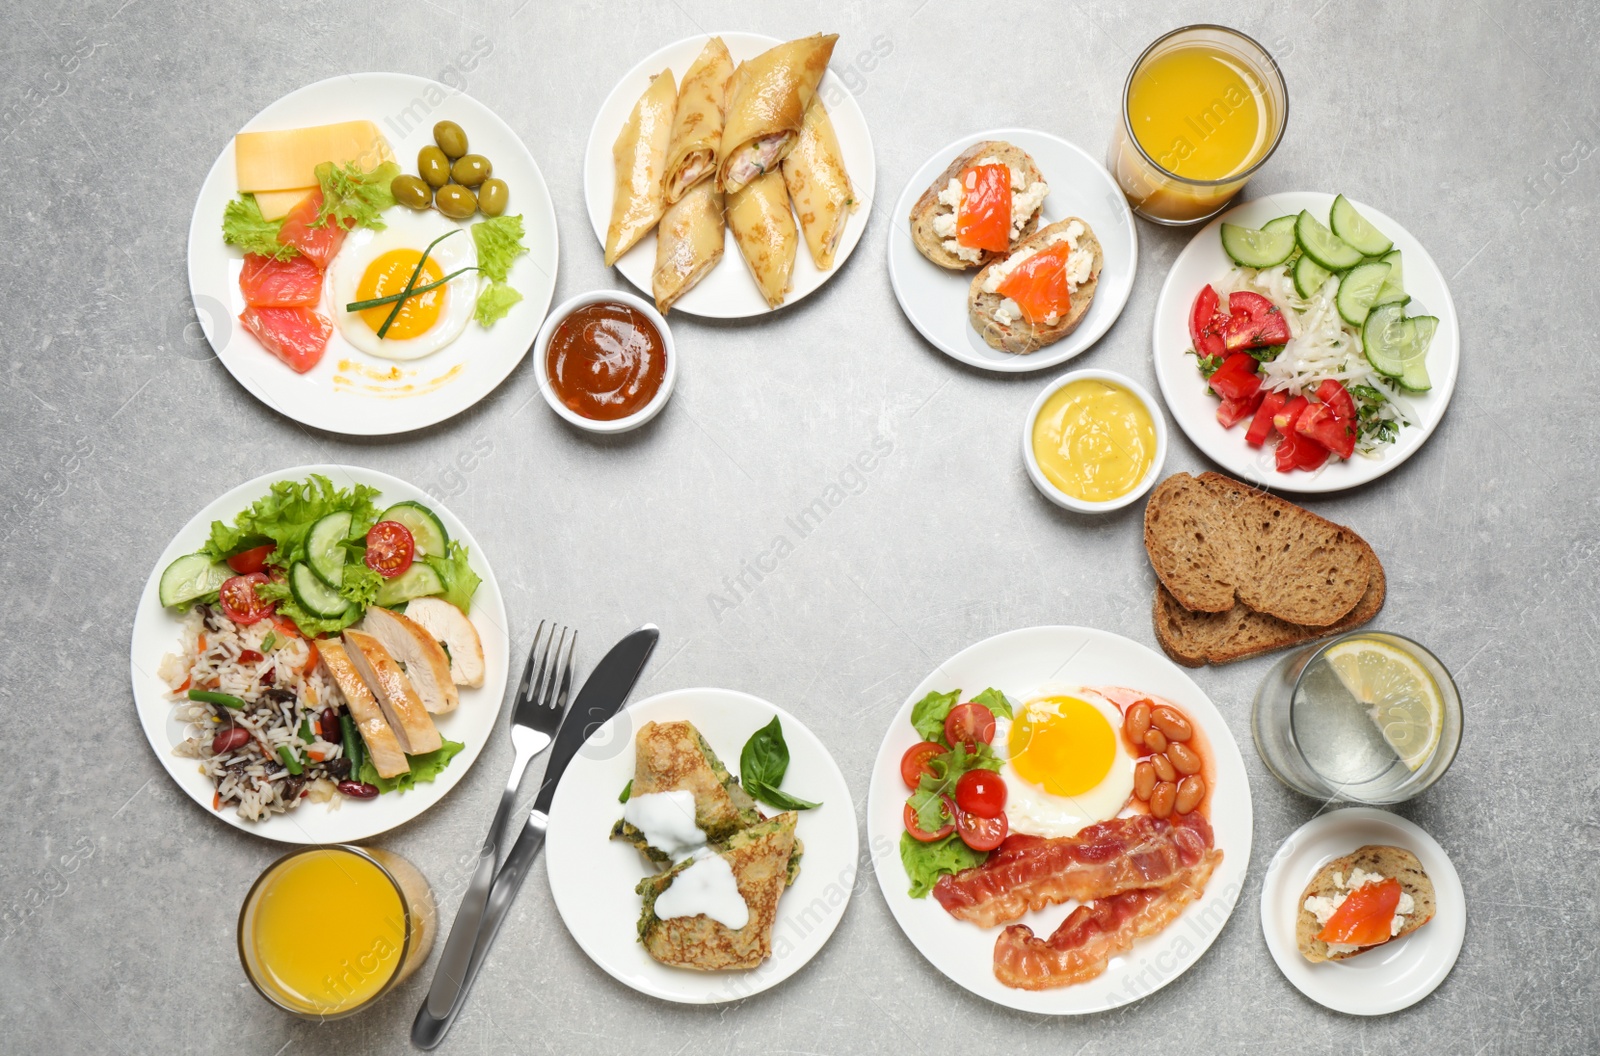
1194,639
1214,542
931,245
1395,863
1021,336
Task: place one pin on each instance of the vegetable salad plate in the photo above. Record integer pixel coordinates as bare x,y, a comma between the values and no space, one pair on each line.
1048,720
935,298
281,326
593,877
728,290
159,633
1374,330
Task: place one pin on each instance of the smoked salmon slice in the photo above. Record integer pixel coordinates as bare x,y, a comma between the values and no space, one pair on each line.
292,283
319,243
1039,285
984,219
298,336
1366,915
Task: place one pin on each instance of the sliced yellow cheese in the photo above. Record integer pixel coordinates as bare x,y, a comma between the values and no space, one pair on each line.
285,160
276,204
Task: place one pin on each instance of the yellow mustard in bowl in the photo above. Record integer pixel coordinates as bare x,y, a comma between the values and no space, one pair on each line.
1094,440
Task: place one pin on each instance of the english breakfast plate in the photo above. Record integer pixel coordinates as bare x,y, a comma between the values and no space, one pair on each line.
1082,665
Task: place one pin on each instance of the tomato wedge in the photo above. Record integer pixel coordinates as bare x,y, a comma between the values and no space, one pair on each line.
1039,284
240,602
390,548
1338,398
982,834
1320,425
1366,915
1231,412
918,833
252,560
984,219
1237,378
968,724
1284,420
1207,325
1261,425
982,793
914,764
1254,322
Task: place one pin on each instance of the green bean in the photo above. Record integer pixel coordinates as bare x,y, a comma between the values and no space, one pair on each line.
227,700
290,763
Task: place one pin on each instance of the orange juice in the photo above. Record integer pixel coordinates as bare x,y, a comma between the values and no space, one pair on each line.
1199,113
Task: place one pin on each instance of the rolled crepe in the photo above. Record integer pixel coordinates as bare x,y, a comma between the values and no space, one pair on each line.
693,150
689,242
640,154
767,107
818,185
761,224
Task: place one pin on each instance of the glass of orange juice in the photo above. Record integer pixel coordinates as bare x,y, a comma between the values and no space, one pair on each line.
327,931
1203,109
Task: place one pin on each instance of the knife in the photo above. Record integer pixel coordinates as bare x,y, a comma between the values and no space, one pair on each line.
602,696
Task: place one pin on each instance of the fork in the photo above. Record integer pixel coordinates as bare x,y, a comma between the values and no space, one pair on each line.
539,707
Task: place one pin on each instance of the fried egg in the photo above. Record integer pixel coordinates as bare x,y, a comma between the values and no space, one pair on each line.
374,264
1066,765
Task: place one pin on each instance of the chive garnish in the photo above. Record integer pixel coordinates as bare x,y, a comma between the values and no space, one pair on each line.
415,272
361,306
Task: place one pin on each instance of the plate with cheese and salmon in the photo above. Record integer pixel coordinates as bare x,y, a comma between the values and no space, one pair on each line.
1060,820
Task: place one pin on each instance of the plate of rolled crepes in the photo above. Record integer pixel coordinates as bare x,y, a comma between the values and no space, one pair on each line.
734,145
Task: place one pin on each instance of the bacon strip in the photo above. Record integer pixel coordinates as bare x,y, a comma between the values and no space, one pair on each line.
1029,873
1092,934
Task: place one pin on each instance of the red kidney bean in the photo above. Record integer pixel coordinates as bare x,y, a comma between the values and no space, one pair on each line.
1174,725
1191,790
229,739
358,789
1163,798
269,676
250,656
1186,759
330,726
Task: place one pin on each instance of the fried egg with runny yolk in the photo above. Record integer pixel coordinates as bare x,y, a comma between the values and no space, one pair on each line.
374,264
1065,766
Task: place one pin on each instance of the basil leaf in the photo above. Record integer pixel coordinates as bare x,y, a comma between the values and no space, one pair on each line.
774,798
765,758
627,790
929,713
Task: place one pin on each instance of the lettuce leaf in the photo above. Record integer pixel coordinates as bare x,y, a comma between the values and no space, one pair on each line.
309,625
929,713
995,701
285,514
245,227
493,303
499,242
459,580
926,862
353,197
424,767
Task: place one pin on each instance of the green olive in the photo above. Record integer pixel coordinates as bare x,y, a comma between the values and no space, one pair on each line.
471,170
451,139
492,197
455,201
411,192
433,166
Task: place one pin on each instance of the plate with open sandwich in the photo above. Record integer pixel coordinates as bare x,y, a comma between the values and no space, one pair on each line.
1012,250
1306,342
1363,911
372,253
737,146
702,846
1059,820
320,654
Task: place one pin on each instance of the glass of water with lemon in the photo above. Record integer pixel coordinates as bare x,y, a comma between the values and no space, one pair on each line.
1368,717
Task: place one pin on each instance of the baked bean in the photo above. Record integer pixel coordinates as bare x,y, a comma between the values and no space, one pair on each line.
1137,722
1155,740
1163,799
1186,759
1191,790
1169,722
1144,781
1164,768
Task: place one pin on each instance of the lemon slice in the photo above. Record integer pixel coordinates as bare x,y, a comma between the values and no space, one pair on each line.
1401,697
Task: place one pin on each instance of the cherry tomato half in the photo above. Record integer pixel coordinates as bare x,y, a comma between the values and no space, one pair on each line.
914,764
982,834
968,724
390,548
241,603
946,829
253,560
981,792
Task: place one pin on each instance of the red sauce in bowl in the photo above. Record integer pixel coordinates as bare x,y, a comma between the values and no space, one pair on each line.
606,361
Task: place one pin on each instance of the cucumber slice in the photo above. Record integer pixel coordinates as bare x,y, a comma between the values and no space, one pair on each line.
1282,223
314,595
1323,246
1394,289
1250,248
1309,277
325,552
425,527
418,581
1415,375
1355,229
1397,346
192,576
1358,291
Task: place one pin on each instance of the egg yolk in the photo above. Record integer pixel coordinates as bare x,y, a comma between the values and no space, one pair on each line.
387,275
1063,745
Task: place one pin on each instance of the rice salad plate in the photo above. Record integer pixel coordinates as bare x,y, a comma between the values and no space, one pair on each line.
307,711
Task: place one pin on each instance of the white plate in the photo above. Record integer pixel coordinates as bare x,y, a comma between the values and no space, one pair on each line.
1016,663
728,291
935,298
1195,409
1397,974
405,109
156,633
593,876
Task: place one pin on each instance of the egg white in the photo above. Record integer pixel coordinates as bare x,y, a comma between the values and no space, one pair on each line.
406,230
1036,812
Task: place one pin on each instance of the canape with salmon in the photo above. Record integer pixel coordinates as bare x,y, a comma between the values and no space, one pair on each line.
981,207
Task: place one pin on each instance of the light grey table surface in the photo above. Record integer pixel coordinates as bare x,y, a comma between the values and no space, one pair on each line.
1475,125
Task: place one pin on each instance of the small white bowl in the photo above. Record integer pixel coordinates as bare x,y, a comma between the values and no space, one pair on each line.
541,346
1060,498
